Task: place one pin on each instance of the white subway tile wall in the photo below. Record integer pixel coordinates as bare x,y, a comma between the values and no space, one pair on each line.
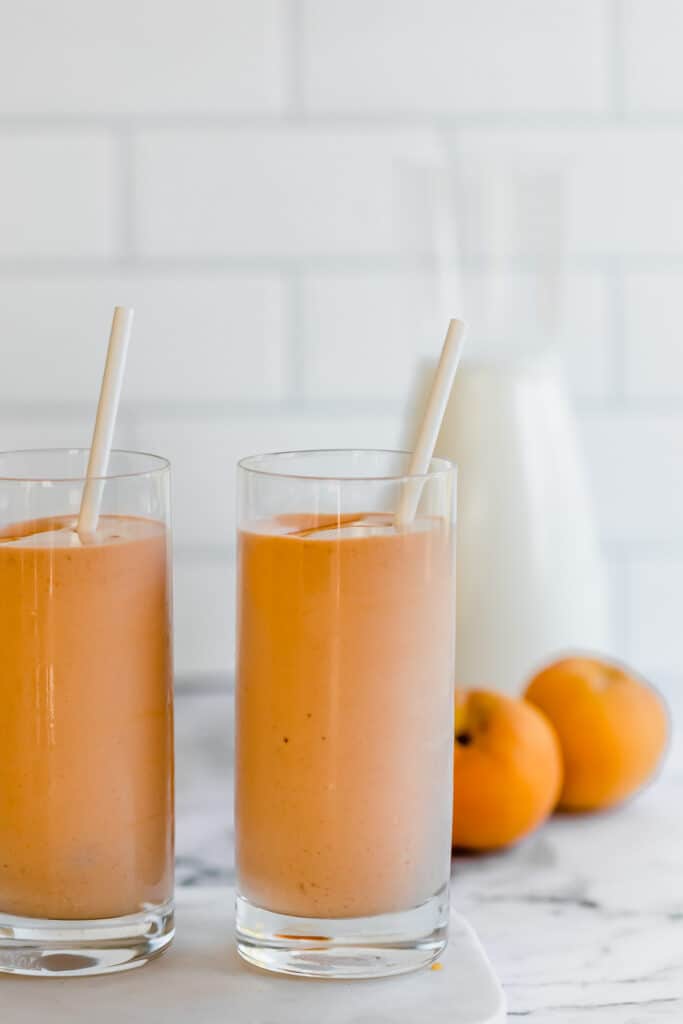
151,57
247,173
635,458
275,193
653,335
60,194
203,336
446,56
654,614
204,615
623,180
652,41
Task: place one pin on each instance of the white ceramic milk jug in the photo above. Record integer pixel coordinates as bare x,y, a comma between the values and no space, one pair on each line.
530,579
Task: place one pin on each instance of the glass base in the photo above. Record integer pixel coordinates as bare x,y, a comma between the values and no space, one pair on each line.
49,948
358,947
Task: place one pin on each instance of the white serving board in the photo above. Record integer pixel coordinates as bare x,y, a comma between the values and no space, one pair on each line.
201,980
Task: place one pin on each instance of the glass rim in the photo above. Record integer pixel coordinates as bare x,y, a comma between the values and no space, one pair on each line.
445,467
162,464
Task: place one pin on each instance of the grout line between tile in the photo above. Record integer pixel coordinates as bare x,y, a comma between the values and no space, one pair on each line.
294,58
297,118
322,263
227,410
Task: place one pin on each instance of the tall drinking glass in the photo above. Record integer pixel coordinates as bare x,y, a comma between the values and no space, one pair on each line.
86,716
344,713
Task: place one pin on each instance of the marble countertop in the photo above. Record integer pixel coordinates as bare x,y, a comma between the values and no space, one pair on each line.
202,980
583,922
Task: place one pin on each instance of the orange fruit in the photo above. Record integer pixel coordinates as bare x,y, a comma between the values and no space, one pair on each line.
612,726
507,772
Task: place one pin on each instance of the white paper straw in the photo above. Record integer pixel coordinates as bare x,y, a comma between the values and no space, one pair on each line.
431,421
105,421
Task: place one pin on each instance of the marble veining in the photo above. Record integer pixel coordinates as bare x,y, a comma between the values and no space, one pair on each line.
583,922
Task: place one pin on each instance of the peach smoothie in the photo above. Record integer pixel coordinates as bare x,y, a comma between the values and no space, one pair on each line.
86,762
344,714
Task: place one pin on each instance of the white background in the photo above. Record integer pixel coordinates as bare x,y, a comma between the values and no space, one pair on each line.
225,166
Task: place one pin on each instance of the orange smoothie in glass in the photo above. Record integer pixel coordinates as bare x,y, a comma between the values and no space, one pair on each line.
86,794
343,748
